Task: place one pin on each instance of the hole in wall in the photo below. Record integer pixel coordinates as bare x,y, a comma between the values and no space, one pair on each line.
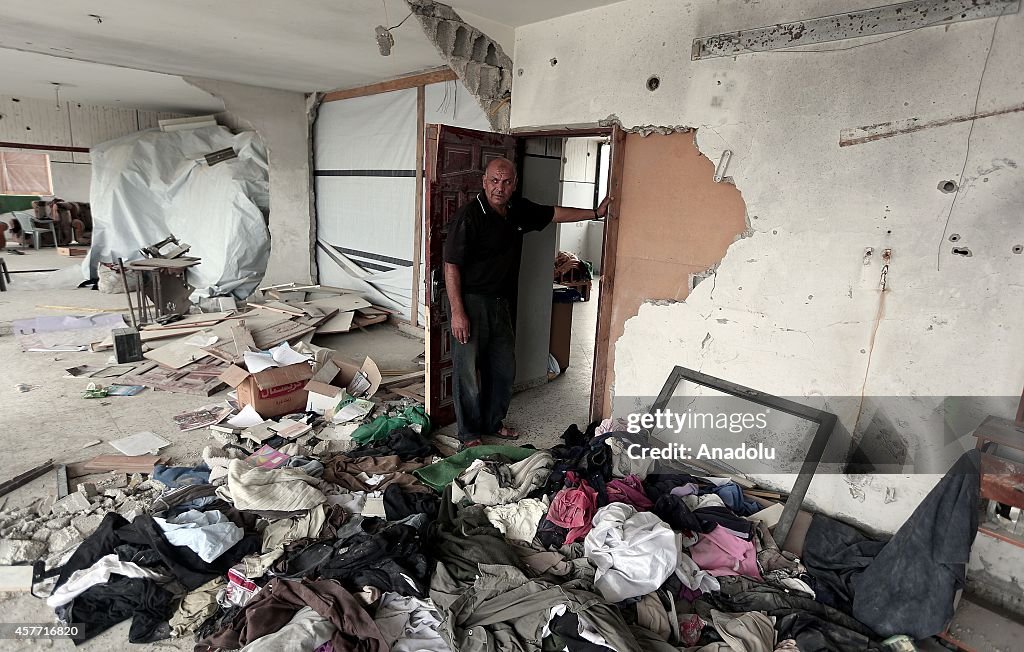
480,48
554,61
962,251
462,46
520,72
1018,249
954,237
947,186
653,83
492,55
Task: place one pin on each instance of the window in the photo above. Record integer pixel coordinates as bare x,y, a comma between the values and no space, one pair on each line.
25,173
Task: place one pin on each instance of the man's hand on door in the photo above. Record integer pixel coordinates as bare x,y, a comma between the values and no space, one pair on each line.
460,327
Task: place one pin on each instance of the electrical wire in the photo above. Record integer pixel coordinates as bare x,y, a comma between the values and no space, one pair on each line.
967,154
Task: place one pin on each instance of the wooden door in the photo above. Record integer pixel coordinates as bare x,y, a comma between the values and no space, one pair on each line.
454,170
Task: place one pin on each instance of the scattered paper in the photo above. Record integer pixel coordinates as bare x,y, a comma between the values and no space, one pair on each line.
359,384
340,432
351,409
247,418
205,338
279,356
206,416
294,429
267,457
142,443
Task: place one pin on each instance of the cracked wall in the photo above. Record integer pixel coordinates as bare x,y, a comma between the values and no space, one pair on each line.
478,60
796,309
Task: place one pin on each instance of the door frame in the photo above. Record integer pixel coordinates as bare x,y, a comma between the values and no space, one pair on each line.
602,345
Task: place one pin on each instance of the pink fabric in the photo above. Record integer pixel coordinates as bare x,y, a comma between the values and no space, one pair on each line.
574,508
721,553
629,490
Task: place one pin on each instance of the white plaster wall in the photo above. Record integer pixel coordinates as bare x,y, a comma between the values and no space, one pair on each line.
791,308
39,121
281,118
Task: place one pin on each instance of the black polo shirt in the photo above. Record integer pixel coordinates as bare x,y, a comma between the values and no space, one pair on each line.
487,246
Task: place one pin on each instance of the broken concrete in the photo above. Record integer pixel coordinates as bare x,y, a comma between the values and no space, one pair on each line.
76,502
64,538
476,58
19,551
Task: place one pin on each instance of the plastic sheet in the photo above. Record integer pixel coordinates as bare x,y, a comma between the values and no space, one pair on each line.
152,184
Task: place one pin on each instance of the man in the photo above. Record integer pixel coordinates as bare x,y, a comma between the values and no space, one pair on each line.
481,264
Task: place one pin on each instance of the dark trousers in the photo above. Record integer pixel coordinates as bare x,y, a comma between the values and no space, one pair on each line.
484,367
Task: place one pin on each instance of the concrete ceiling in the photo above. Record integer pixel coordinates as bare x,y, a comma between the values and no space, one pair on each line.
27,74
299,46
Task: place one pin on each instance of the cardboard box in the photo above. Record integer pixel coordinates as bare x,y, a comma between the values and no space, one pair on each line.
333,376
272,392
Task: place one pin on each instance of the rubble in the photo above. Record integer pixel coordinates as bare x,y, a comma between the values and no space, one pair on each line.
76,502
20,551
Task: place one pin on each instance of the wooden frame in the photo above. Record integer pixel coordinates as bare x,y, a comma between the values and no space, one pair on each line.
417,238
602,343
433,76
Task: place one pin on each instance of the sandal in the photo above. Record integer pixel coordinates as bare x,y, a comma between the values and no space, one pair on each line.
472,443
506,433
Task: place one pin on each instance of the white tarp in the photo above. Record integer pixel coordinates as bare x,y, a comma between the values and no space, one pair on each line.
365,161
151,184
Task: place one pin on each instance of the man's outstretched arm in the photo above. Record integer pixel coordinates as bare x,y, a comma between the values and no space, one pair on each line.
566,214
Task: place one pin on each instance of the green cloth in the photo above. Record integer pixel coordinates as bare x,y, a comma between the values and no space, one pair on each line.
10,203
383,425
441,474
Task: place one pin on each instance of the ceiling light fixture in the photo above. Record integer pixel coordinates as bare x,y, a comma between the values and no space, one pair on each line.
385,40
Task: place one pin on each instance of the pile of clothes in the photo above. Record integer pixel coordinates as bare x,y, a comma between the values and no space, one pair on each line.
579,547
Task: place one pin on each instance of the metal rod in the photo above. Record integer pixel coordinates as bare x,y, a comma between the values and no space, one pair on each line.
127,292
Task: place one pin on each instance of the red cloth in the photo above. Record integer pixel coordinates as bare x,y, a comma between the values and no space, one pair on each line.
629,490
574,508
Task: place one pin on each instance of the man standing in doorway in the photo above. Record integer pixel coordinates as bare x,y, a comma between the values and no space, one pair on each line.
481,263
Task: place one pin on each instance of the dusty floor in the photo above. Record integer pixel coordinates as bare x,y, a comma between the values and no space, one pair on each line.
52,421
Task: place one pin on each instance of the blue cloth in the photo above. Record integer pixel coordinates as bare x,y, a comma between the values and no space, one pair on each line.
732,496
181,476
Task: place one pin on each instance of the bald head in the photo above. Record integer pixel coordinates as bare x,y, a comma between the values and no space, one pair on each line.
500,163
499,183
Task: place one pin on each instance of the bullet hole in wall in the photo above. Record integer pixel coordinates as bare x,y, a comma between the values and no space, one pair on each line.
954,237
962,251
554,61
947,186
653,83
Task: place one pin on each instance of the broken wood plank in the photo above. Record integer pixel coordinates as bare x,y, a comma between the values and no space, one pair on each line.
398,381
24,478
121,463
359,321
340,323
232,350
192,321
415,392
148,336
278,306
197,379
286,331
163,263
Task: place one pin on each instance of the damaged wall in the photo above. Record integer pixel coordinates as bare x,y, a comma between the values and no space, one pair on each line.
674,222
39,122
282,120
796,308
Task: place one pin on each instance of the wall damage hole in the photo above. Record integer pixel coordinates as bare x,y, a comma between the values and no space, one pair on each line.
1017,249
520,72
653,83
947,186
954,237
962,251
554,61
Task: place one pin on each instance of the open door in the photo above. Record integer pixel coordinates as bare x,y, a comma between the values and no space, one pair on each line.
453,171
